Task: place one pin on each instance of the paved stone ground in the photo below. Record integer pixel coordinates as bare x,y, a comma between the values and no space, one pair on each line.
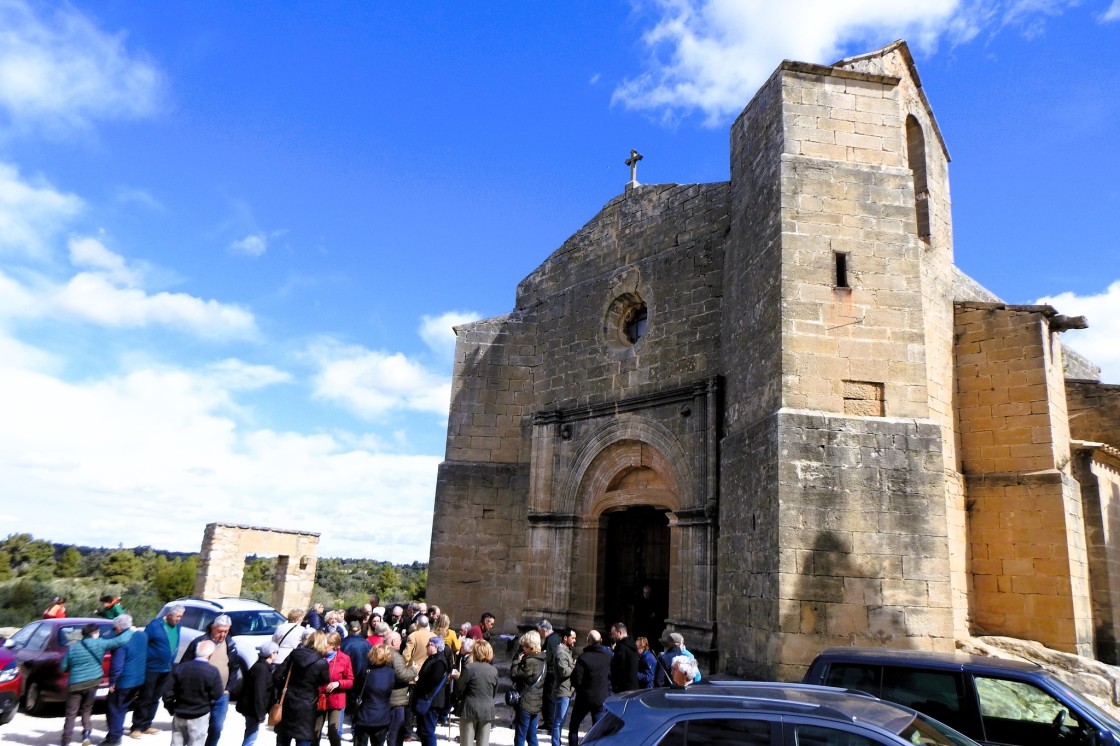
46,731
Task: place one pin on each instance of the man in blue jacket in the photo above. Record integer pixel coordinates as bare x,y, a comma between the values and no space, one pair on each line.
163,645
126,678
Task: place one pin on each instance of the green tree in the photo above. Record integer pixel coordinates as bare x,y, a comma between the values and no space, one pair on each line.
122,566
174,578
30,557
388,580
5,564
69,564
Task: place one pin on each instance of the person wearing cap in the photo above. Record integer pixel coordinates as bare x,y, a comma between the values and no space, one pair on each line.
674,646
256,693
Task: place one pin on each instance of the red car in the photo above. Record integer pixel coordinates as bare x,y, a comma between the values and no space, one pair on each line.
38,649
10,683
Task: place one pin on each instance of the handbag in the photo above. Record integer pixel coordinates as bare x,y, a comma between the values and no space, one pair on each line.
276,712
513,697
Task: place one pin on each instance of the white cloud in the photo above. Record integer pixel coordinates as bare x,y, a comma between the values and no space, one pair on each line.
92,254
59,72
1099,341
254,244
96,299
238,375
1113,12
711,55
32,212
372,383
438,333
153,455
108,294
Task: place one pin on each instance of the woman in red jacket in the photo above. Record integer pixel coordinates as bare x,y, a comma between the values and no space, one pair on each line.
332,696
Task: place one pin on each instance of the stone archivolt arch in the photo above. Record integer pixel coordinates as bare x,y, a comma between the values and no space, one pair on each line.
619,446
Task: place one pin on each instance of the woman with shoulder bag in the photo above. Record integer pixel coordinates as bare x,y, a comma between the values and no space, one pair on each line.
527,674
373,709
304,672
430,691
84,660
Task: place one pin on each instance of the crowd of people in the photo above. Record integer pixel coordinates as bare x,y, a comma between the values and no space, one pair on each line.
388,675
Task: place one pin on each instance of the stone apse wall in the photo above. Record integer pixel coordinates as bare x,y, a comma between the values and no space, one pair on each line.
221,562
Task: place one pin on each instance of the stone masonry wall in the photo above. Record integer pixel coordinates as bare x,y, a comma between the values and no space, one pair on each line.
221,562
1094,411
751,362
862,537
661,245
478,558
850,193
1097,470
1029,560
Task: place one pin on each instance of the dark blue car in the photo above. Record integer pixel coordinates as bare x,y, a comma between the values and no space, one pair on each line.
993,701
763,714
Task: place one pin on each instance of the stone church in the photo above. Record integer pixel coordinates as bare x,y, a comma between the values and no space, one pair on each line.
777,403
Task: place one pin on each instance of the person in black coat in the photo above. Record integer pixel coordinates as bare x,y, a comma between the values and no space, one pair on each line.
305,670
625,663
256,692
591,681
357,648
431,686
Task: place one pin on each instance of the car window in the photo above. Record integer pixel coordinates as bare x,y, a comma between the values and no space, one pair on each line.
939,694
1018,712
723,731
39,637
255,622
69,634
192,617
857,676
19,639
816,735
608,725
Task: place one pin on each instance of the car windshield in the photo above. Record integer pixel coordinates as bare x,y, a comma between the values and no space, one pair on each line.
262,622
1087,706
912,726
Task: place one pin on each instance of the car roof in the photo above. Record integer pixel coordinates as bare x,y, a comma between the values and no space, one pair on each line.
225,603
955,661
75,621
776,698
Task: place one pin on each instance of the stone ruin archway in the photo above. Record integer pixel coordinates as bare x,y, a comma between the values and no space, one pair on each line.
221,562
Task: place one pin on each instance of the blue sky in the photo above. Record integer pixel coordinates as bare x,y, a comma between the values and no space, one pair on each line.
234,236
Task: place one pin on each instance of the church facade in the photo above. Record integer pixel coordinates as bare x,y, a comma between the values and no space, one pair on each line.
777,403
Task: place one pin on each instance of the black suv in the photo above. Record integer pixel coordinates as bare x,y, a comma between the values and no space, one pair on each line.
763,714
992,700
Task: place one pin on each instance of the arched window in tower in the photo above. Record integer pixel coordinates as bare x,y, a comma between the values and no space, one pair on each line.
916,153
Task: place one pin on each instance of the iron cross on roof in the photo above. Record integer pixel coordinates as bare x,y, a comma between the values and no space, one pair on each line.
632,162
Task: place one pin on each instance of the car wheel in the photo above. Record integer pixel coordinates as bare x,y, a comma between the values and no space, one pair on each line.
33,699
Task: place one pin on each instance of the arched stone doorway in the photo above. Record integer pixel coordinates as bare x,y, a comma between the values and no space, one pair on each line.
606,479
637,557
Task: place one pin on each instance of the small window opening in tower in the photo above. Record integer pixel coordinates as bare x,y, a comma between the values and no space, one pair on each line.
842,270
916,155
635,326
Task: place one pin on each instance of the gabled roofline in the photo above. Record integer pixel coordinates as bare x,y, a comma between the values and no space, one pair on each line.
904,49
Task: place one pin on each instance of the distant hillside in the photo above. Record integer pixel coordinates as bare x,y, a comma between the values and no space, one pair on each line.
33,571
